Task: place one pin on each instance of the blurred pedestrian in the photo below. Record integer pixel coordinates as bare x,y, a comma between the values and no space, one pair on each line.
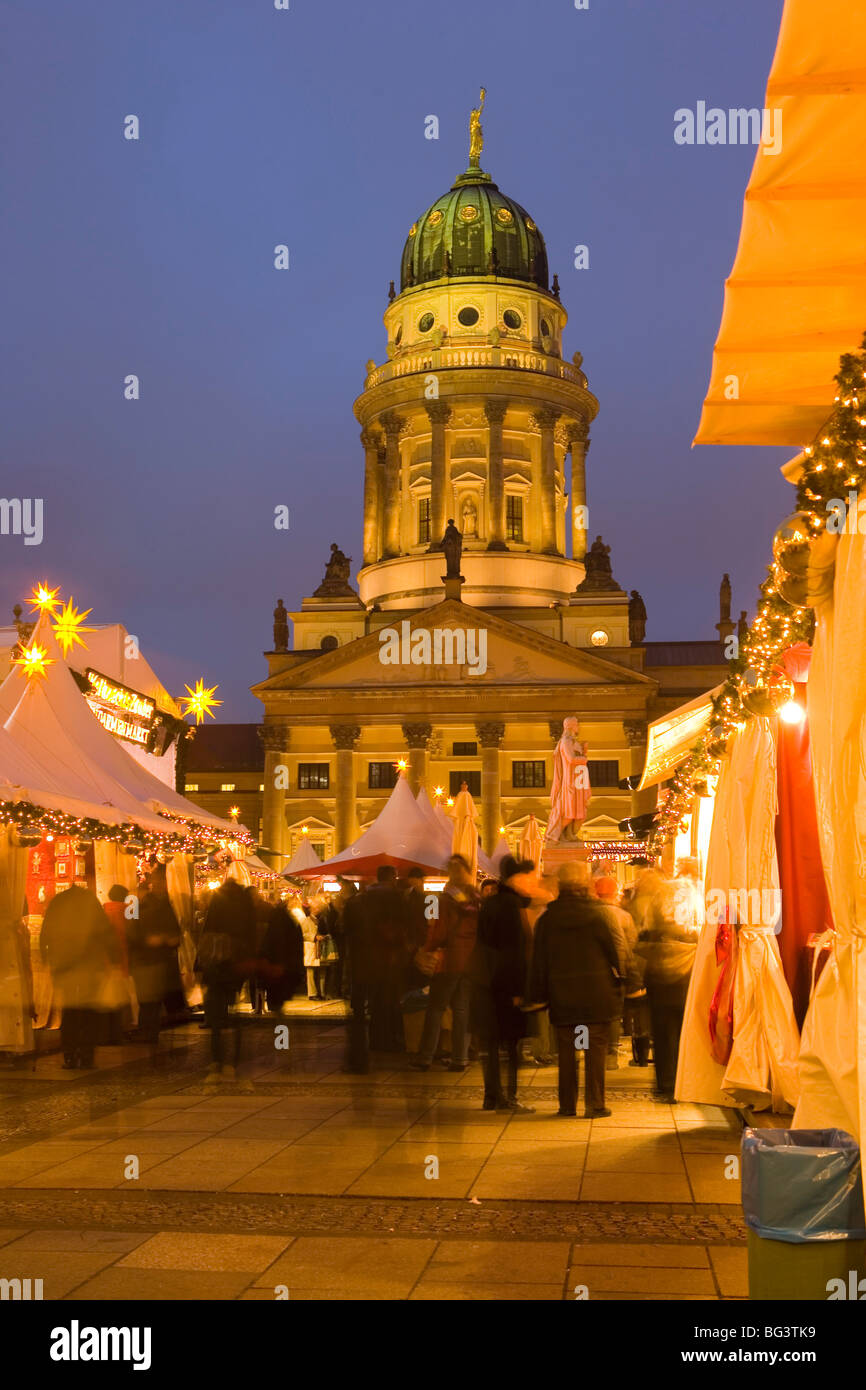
119,1018
282,951
226,957
79,945
153,937
575,970
668,944
624,933
499,968
451,938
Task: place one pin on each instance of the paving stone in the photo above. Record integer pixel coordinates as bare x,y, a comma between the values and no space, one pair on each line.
163,1285
642,1279
494,1261
731,1268
389,1268
634,1187
82,1242
219,1254
659,1256
428,1290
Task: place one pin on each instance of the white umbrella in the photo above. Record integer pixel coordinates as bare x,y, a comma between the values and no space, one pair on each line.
531,843
465,840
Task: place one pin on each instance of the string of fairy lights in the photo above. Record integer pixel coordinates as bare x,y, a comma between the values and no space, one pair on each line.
834,465
32,822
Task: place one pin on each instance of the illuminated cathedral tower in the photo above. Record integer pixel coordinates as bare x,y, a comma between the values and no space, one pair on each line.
475,413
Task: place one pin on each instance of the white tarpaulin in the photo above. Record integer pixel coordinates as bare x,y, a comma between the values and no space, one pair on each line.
834,1030
761,1068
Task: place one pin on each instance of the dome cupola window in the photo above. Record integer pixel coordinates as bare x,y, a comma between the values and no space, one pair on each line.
468,316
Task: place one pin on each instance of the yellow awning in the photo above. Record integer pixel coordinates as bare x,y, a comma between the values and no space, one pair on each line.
669,740
796,296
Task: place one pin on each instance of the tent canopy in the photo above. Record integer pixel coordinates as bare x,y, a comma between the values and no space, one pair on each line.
304,857
796,296
48,719
401,835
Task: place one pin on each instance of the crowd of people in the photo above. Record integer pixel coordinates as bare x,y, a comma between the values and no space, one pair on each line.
564,968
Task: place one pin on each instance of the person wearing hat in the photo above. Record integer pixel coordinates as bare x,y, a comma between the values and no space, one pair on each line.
576,972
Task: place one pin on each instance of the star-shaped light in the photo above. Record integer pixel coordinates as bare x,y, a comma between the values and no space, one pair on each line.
43,597
33,661
200,701
402,764
234,812
70,625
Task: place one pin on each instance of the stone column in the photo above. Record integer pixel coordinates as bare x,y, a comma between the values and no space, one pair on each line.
275,738
490,736
635,731
345,737
417,738
578,438
495,412
545,420
372,469
392,425
439,414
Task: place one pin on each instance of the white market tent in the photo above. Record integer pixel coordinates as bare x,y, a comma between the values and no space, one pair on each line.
304,857
48,719
400,835
440,825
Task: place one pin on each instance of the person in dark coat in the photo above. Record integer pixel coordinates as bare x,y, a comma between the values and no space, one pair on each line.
576,972
377,938
226,957
153,938
282,967
80,947
498,969
452,936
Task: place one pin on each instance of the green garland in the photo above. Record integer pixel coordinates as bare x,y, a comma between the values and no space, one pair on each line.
835,463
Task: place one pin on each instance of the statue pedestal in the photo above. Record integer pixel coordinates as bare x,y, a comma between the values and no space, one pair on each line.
566,852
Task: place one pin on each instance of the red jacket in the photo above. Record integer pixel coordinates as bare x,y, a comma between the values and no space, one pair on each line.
455,930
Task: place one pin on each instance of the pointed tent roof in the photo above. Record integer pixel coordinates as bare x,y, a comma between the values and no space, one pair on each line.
304,857
442,826
496,858
400,835
51,721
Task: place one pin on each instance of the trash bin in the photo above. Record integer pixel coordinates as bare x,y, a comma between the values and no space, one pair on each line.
803,1203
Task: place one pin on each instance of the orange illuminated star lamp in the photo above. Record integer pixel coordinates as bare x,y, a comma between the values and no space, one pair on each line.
43,597
234,812
33,661
200,701
69,626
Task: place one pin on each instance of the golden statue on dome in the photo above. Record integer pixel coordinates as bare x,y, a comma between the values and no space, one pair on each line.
476,134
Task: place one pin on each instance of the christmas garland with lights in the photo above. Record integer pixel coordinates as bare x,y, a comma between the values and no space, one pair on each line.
834,463
30,820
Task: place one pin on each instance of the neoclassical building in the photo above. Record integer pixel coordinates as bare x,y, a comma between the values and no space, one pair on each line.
478,417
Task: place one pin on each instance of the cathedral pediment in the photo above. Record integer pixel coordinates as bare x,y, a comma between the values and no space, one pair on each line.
454,644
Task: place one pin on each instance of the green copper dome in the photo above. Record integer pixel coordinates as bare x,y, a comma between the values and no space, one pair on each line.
474,230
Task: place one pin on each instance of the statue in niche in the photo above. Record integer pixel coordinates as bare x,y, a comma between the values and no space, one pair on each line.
470,518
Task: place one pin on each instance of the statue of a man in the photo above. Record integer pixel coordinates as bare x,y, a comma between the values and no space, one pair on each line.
725,598
636,619
452,548
570,793
470,517
281,627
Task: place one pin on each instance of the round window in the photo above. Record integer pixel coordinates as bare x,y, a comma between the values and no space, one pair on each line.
545,328
328,643
511,318
425,323
467,316
599,638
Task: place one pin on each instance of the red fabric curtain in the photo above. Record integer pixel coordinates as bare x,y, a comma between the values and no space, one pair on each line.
805,905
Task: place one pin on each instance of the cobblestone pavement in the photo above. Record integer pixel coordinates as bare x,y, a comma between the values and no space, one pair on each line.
640,1205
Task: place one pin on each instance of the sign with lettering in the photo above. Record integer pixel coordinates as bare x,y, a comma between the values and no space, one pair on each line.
123,712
